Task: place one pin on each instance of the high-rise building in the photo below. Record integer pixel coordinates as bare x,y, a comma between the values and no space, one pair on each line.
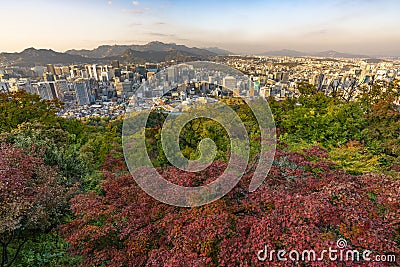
141,70
48,77
47,90
51,69
321,79
124,89
25,85
82,90
39,70
172,74
65,71
152,67
74,71
4,87
130,76
34,88
95,72
58,71
61,88
229,82
116,72
105,76
84,74
115,64
89,72
256,84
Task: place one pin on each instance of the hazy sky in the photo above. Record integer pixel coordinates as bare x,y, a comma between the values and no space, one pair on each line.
357,26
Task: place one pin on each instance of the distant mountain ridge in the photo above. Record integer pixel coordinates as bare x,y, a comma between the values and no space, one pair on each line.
325,54
284,52
32,56
116,50
151,52
219,51
140,57
335,54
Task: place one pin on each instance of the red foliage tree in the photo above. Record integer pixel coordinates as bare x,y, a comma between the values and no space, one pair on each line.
31,199
303,204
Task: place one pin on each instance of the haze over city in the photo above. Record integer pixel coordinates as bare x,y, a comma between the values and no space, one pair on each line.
355,26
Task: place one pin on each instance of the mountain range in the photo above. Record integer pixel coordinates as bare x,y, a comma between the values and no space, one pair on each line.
151,52
32,56
116,50
323,54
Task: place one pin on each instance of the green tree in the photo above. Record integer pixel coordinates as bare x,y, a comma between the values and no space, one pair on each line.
19,107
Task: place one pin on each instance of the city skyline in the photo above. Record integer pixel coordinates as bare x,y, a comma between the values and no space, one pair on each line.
355,26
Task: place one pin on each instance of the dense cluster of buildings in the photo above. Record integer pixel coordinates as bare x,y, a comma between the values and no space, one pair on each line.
105,90
279,77
86,90
184,85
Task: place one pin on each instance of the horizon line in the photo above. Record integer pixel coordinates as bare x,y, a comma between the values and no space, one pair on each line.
251,53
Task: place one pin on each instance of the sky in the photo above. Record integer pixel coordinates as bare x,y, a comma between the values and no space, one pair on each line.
369,27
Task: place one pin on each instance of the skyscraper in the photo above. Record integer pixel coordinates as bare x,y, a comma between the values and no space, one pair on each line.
48,77
172,73
321,79
61,88
95,73
82,90
47,90
51,69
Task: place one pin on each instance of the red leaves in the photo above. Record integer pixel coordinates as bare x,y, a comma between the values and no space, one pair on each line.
27,189
316,151
296,208
31,199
